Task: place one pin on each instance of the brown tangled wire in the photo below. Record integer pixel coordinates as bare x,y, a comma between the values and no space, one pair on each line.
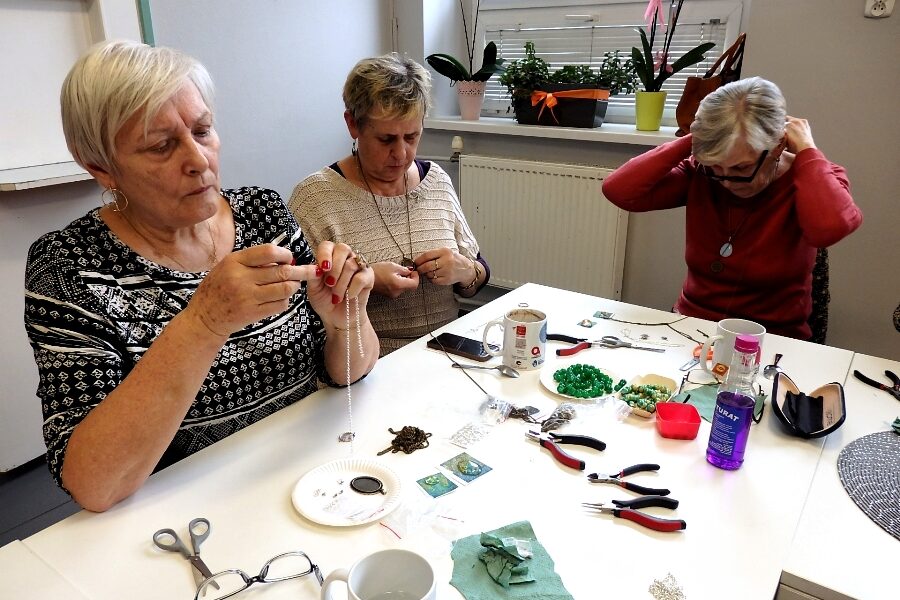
407,440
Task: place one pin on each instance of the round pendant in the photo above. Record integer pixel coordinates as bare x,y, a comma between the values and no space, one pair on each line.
347,436
366,484
408,263
726,250
716,266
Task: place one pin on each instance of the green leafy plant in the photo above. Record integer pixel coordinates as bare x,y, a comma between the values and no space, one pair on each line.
454,70
522,76
618,75
654,68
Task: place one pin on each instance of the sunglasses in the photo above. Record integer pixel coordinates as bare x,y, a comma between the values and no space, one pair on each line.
708,172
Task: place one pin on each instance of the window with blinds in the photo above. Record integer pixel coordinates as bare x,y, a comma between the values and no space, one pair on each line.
562,39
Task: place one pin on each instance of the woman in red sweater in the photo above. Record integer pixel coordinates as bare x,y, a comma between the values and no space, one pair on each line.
760,199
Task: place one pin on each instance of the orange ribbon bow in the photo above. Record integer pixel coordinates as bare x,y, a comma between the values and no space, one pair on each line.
549,99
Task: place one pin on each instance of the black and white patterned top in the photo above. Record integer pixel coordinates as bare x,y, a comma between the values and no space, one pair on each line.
93,307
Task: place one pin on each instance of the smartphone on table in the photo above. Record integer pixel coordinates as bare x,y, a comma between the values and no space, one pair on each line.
460,346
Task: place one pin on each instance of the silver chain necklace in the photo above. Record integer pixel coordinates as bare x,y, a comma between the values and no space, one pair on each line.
348,435
406,261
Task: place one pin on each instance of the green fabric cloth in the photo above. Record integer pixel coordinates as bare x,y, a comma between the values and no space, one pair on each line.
472,580
704,398
504,563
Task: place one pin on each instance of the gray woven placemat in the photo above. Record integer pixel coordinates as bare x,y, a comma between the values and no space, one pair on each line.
869,469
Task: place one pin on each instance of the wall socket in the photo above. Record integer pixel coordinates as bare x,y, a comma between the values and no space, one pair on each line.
878,9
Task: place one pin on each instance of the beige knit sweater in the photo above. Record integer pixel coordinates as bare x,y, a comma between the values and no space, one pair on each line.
328,207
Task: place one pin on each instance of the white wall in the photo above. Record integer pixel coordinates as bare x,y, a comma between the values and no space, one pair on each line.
279,67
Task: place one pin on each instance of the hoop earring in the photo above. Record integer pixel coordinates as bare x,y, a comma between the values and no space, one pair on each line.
354,149
113,199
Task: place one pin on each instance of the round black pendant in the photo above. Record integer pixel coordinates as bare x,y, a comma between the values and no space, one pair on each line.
716,266
367,484
726,250
408,263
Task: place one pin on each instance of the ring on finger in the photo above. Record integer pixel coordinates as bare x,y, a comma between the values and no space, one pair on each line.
436,266
361,261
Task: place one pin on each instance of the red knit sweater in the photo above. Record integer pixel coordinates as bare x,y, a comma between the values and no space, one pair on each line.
768,278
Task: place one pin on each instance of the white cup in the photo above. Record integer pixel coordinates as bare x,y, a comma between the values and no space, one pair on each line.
393,574
524,338
723,344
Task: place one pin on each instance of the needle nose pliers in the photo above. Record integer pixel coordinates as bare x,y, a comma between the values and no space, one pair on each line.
550,441
626,509
631,487
892,390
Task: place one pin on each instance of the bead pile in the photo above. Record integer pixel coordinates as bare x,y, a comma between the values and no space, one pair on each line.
583,381
645,397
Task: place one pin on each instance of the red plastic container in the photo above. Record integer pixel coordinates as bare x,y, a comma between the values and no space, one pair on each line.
677,421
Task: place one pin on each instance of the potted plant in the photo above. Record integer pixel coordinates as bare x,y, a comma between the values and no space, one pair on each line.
469,83
576,95
653,68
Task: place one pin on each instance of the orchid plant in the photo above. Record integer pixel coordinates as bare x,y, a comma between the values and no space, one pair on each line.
653,68
454,70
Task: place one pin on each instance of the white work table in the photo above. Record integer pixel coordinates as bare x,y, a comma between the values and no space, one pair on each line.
838,553
740,525
25,575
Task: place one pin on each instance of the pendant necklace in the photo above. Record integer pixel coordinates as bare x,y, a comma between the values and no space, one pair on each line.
727,249
406,261
348,435
212,256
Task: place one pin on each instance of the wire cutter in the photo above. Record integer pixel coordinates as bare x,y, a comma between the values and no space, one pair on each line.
626,509
632,487
607,341
893,390
551,440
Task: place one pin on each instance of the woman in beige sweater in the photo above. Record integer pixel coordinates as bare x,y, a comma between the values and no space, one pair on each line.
402,213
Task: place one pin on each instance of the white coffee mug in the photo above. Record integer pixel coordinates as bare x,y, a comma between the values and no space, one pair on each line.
524,338
723,344
393,574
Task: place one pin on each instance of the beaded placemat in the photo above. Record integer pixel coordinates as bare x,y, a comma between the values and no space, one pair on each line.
869,469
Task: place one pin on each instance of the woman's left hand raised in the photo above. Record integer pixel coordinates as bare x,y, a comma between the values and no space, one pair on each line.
444,266
343,272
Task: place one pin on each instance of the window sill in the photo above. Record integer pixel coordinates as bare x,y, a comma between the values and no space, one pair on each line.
615,133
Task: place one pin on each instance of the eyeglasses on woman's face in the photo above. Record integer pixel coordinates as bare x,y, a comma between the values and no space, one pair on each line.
708,171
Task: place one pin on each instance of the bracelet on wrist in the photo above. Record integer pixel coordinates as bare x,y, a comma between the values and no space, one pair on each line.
475,279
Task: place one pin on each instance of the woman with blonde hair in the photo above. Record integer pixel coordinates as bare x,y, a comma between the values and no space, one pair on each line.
402,213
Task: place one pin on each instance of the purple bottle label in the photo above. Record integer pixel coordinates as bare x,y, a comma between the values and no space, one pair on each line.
730,428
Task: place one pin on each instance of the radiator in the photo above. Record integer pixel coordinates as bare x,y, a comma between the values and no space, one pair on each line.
544,223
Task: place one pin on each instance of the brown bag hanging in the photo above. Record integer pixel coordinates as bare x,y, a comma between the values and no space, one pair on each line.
696,88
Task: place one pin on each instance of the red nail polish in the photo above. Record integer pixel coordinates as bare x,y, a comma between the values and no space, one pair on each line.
330,281
319,271
326,265
335,298
293,261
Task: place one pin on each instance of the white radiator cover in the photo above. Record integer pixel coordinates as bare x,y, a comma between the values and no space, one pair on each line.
545,223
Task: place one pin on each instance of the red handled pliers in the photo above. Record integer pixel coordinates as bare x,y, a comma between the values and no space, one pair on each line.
892,390
607,341
631,487
626,509
550,441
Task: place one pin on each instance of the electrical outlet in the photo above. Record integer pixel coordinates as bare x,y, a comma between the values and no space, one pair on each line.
878,9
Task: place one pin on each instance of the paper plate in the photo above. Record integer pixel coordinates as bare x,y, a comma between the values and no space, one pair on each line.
324,495
548,382
650,379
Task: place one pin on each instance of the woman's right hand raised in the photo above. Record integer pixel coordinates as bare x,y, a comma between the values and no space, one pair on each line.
246,286
393,280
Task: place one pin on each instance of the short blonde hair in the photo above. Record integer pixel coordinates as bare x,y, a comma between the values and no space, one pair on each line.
751,109
111,83
397,85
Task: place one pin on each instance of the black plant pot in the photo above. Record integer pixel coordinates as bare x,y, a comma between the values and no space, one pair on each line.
570,112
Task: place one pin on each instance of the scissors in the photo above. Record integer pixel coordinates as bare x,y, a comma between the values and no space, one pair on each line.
607,341
199,528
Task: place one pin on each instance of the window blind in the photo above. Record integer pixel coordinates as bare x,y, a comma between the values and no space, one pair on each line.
585,44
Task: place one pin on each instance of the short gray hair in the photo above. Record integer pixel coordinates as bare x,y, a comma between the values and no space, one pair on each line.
111,83
396,84
751,109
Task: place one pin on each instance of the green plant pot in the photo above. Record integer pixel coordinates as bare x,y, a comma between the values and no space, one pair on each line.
570,112
648,110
